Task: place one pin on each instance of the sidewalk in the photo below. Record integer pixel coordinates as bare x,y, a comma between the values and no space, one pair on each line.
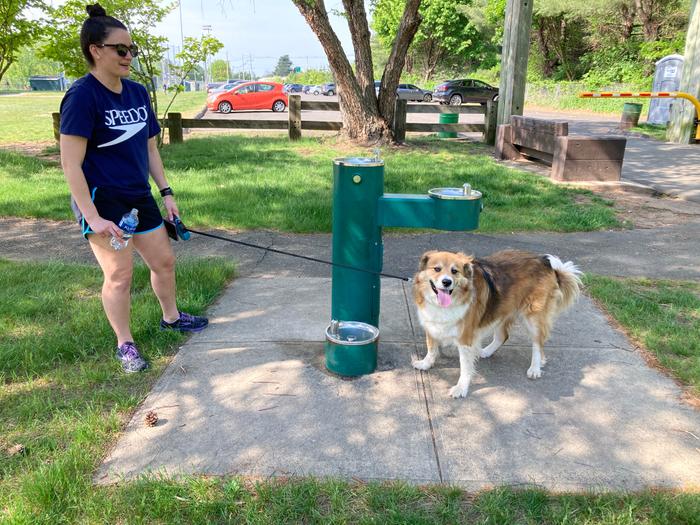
250,396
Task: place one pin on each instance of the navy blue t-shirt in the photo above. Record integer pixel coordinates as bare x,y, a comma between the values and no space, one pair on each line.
117,126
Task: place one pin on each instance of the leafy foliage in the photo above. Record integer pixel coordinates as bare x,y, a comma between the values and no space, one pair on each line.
29,63
446,36
219,70
16,30
195,51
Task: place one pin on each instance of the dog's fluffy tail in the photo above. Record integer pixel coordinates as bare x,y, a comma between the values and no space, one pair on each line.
568,276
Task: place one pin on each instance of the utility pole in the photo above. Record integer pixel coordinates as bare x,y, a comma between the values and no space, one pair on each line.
516,46
681,127
207,29
182,33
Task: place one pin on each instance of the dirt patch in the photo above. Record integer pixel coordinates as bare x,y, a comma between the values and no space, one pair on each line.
649,211
47,150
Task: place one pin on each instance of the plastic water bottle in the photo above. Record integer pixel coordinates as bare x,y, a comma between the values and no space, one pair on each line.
128,225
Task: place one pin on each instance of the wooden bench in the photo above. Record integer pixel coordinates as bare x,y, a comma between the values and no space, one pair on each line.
573,158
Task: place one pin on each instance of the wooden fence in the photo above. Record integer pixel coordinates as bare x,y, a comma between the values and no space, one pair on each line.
295,123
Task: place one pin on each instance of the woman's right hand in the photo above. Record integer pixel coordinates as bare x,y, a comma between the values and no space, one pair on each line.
105,228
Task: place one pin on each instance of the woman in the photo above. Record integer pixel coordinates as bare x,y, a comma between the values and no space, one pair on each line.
108,150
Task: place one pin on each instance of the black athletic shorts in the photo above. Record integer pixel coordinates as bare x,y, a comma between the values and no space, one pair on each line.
112,206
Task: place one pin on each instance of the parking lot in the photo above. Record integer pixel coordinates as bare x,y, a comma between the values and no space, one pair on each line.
331,116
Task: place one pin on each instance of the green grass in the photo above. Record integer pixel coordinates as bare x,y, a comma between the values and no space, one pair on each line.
26,117
663,315
655,131
244,182
565,96
63,396
62,393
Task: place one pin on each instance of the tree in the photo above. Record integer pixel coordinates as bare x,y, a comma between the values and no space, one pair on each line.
365,119
28,63
195,51
446,34
219,70
139,16
284,66
16,30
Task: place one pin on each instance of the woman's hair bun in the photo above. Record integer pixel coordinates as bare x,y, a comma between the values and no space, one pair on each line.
95,10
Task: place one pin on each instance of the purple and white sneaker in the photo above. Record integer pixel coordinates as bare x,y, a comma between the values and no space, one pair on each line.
130,358
186,323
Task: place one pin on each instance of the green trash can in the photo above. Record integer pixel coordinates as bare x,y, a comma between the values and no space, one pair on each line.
448,118
630,115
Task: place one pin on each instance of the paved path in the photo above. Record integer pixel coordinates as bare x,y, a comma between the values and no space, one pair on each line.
672,252
250,396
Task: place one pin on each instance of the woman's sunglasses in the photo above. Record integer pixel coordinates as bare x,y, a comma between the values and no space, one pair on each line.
123,49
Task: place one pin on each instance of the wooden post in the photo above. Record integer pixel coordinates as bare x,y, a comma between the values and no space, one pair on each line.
294,117
399,124
681,129
490,122
516,46
175,128
56,126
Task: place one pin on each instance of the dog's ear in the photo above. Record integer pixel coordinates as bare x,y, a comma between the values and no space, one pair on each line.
469,270
424,260
468,266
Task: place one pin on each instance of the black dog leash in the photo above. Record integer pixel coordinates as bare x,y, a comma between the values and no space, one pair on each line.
182,228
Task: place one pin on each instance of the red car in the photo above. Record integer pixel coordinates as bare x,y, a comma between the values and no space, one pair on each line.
249,95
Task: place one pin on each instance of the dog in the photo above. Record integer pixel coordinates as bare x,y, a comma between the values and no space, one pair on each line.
459,298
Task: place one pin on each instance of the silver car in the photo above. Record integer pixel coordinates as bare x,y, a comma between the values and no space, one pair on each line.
408,92
411,92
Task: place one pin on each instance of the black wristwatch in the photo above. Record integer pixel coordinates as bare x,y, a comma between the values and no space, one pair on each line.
166,191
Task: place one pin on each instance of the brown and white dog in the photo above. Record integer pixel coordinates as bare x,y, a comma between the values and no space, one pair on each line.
459,298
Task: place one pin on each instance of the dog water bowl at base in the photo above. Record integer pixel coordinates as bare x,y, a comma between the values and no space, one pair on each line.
351,348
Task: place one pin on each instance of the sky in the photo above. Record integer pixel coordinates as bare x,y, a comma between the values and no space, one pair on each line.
257,31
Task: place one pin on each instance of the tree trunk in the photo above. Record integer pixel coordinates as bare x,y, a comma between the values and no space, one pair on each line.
650,15
433,55
364,119
361,119
549,37
627,14
392,71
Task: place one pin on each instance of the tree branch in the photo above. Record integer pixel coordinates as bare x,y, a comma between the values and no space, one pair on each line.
410,21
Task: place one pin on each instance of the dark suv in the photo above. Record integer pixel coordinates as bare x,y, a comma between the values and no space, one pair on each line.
454,92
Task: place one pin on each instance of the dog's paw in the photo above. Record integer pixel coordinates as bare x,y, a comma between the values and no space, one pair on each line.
534,373
458,391
485,353
422,364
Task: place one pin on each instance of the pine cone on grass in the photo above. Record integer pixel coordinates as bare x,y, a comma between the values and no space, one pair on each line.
151,418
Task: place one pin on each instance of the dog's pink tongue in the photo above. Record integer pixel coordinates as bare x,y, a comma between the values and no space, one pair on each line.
444,298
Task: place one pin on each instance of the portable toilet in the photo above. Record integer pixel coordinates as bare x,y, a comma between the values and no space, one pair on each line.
667,77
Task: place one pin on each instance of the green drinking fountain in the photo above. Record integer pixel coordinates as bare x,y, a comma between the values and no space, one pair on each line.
360,210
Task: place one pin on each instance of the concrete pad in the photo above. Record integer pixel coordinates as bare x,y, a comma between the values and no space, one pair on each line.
271,409
288,309
598,418
251,396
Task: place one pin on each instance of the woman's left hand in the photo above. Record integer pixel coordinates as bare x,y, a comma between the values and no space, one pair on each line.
170,207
